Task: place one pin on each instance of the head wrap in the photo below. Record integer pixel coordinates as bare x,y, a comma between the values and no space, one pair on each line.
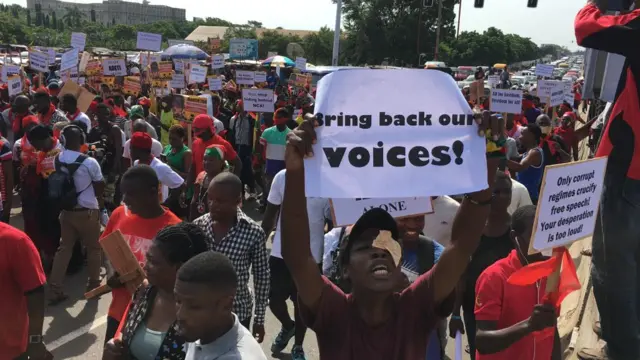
215,150
136,112
29,119
280,117
93,107
143,101
203,122
141,140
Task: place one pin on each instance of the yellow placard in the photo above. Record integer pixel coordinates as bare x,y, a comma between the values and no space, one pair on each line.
162,70
132,85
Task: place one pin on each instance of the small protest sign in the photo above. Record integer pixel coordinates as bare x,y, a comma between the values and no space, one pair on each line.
178,66
214,44
70,74
114,67
84,61
14,85
258,100
260,77
178,82
52,55
193,106
301,63
366,132
69,60
568,203
509,101
476,90
149,41
215,83
94,68
493,81
545,87
347,211
217,61
147,59
545,70
8,70
162,70
244,77
557,95
39,61
569,96
78,40
132,85
197,74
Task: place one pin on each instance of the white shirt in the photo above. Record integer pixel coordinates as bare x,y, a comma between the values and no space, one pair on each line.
84,177
168,178
236,344
438,224
156,149
318,210
85,119
519,196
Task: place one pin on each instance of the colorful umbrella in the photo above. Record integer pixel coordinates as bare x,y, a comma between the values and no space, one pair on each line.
278,61
184,51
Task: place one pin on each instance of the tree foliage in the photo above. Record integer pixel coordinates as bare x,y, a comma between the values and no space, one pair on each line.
396,32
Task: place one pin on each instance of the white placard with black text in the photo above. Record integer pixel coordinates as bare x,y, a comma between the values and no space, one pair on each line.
114,67
260,77
78,40
197,74
348,211
69,60
509,101
149,41
244,77
215,83
301,63
39,61
544,70
14,85
258,100
217,61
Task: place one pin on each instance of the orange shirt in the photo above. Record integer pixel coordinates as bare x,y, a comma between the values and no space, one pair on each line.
139,233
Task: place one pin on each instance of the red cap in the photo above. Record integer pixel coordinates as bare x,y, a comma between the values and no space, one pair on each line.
93,107
203,122
144,102
29,119
141,140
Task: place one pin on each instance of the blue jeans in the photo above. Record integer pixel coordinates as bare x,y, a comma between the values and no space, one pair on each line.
615,271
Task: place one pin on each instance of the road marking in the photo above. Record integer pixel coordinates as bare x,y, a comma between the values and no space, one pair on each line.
51,346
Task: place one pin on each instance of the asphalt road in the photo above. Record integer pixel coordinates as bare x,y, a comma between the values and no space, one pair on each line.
75,328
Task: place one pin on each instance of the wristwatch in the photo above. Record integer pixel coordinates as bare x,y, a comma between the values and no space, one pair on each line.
35,339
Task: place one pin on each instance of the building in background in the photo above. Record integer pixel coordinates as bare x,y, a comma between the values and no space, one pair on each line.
204,32
114,11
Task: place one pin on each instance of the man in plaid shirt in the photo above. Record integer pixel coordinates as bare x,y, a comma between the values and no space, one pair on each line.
232,233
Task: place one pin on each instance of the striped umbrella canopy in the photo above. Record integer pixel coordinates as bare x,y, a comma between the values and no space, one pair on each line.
278,60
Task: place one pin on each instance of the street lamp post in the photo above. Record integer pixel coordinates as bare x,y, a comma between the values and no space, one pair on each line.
336,34
435,55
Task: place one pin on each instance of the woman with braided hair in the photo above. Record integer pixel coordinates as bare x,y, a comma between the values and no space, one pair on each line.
148,329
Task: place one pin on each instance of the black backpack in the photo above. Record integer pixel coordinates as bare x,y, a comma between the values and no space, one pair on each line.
62,188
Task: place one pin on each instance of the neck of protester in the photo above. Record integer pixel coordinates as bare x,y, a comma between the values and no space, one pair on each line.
374,308
151,211
216,333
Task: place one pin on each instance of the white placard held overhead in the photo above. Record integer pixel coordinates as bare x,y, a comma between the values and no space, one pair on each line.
8,70
569,96
178,82
412,142
78,40
84,60
545,87
69,60
258,100
114,67
244,77
178,66
301,63
493,80
348,211
39,61
215,83
557,95
545,70
146,59
260,76
509,101
217,61
52,55
568,203
149,41
197,74
14,85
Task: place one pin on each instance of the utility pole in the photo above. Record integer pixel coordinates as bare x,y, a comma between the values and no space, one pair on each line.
336,34
435,56
419,28
459,17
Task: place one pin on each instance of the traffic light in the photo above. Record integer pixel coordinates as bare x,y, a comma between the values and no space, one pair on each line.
428,3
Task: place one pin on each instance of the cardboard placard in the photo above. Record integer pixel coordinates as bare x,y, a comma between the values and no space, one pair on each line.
84,96
78,40
123,260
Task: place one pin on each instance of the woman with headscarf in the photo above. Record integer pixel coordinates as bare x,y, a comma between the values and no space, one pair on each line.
214,163
137,113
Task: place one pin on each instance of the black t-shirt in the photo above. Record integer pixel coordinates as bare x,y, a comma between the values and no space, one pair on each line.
490,250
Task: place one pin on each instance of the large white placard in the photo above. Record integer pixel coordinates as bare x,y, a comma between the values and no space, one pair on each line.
244,77
215,83
8,70
178,82
569,96
149,41
348,211
69,60
545,70
114,67
39,61
380,144
260,76
258,100
78,40
557,95
545,87
493,80
301,63
14,85
568,203
509,101
217,61
197,74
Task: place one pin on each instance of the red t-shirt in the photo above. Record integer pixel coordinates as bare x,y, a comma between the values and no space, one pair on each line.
139,233
567,134
507,305
199,146
343,335
20,272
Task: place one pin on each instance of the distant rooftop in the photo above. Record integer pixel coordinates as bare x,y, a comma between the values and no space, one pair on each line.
203,33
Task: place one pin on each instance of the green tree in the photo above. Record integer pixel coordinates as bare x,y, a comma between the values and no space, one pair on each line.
28,18
73,16
54,20
319,46
93,15
47,21
254,24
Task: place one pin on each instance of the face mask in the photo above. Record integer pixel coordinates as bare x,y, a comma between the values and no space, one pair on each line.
545,129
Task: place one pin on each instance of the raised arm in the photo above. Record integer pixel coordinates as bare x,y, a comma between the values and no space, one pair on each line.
610,33
296,249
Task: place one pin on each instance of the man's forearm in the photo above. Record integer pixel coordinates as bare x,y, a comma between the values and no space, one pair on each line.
35,309
494,341
295,231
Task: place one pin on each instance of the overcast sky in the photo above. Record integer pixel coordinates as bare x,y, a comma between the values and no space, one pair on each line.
550,22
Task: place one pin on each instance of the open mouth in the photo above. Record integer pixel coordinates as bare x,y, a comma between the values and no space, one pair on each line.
380,270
